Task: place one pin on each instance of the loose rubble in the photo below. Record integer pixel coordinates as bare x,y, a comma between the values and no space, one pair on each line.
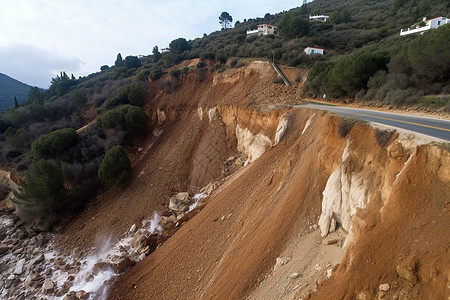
30,268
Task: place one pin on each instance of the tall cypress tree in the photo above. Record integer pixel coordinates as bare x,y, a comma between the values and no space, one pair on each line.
119,61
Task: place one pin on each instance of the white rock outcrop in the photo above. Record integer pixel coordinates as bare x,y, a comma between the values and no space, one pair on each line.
252,145
343,194
281,129
161,116
308,123
212,114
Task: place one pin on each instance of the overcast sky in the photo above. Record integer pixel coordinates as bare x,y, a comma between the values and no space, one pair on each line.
39,38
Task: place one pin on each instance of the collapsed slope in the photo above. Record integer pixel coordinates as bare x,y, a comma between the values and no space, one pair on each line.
263,223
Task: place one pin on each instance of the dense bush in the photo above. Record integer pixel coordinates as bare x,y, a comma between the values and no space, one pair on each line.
54,143
132,62
130,118
133,94
349,75
179,45
115,168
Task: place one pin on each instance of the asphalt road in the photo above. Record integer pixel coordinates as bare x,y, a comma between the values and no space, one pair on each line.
432,127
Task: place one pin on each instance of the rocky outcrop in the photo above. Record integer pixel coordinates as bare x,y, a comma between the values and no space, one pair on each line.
343,194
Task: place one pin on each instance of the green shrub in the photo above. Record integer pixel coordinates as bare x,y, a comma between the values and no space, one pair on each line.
175,73
201,64
54,142
207,55
115,168
133,94
434,101
136,94
156,73
132,62
126,117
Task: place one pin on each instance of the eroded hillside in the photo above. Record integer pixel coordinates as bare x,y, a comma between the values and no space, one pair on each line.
278,178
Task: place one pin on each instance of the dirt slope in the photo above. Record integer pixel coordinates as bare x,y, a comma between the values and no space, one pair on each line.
258,235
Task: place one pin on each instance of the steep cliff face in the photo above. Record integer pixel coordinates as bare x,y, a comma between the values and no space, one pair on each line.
284,177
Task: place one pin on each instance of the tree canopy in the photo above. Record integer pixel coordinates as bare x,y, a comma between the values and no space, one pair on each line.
54,142
179,45
41,193
126,117
132,62
156,54
119,61
293,25
225,20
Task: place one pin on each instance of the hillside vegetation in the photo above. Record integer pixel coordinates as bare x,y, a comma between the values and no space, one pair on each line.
10,88
365,60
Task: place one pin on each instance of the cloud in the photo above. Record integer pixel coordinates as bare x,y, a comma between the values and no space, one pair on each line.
35,66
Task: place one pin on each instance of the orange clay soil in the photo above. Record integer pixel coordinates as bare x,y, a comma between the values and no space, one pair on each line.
268,209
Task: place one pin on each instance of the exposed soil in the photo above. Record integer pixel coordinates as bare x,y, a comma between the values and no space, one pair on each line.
269,209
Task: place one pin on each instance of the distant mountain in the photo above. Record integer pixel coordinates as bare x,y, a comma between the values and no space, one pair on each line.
10,88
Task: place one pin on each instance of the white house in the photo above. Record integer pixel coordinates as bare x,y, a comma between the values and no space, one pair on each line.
313,50
263,29
322,18
429,24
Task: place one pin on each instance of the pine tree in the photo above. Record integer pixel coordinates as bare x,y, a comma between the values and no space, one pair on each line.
225,20
16,104
156,54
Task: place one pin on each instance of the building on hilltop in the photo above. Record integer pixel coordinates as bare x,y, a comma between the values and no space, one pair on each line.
322,18
314,50
425,25
263,29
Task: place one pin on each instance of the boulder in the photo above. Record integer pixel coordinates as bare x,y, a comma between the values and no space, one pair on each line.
384,287
137,240
101,267
82,295
19,267
18,251
48,287
178,200
3,249
70,296
61,292
407,269
34,275
37,260
7,222
168,222
123,265
28,282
